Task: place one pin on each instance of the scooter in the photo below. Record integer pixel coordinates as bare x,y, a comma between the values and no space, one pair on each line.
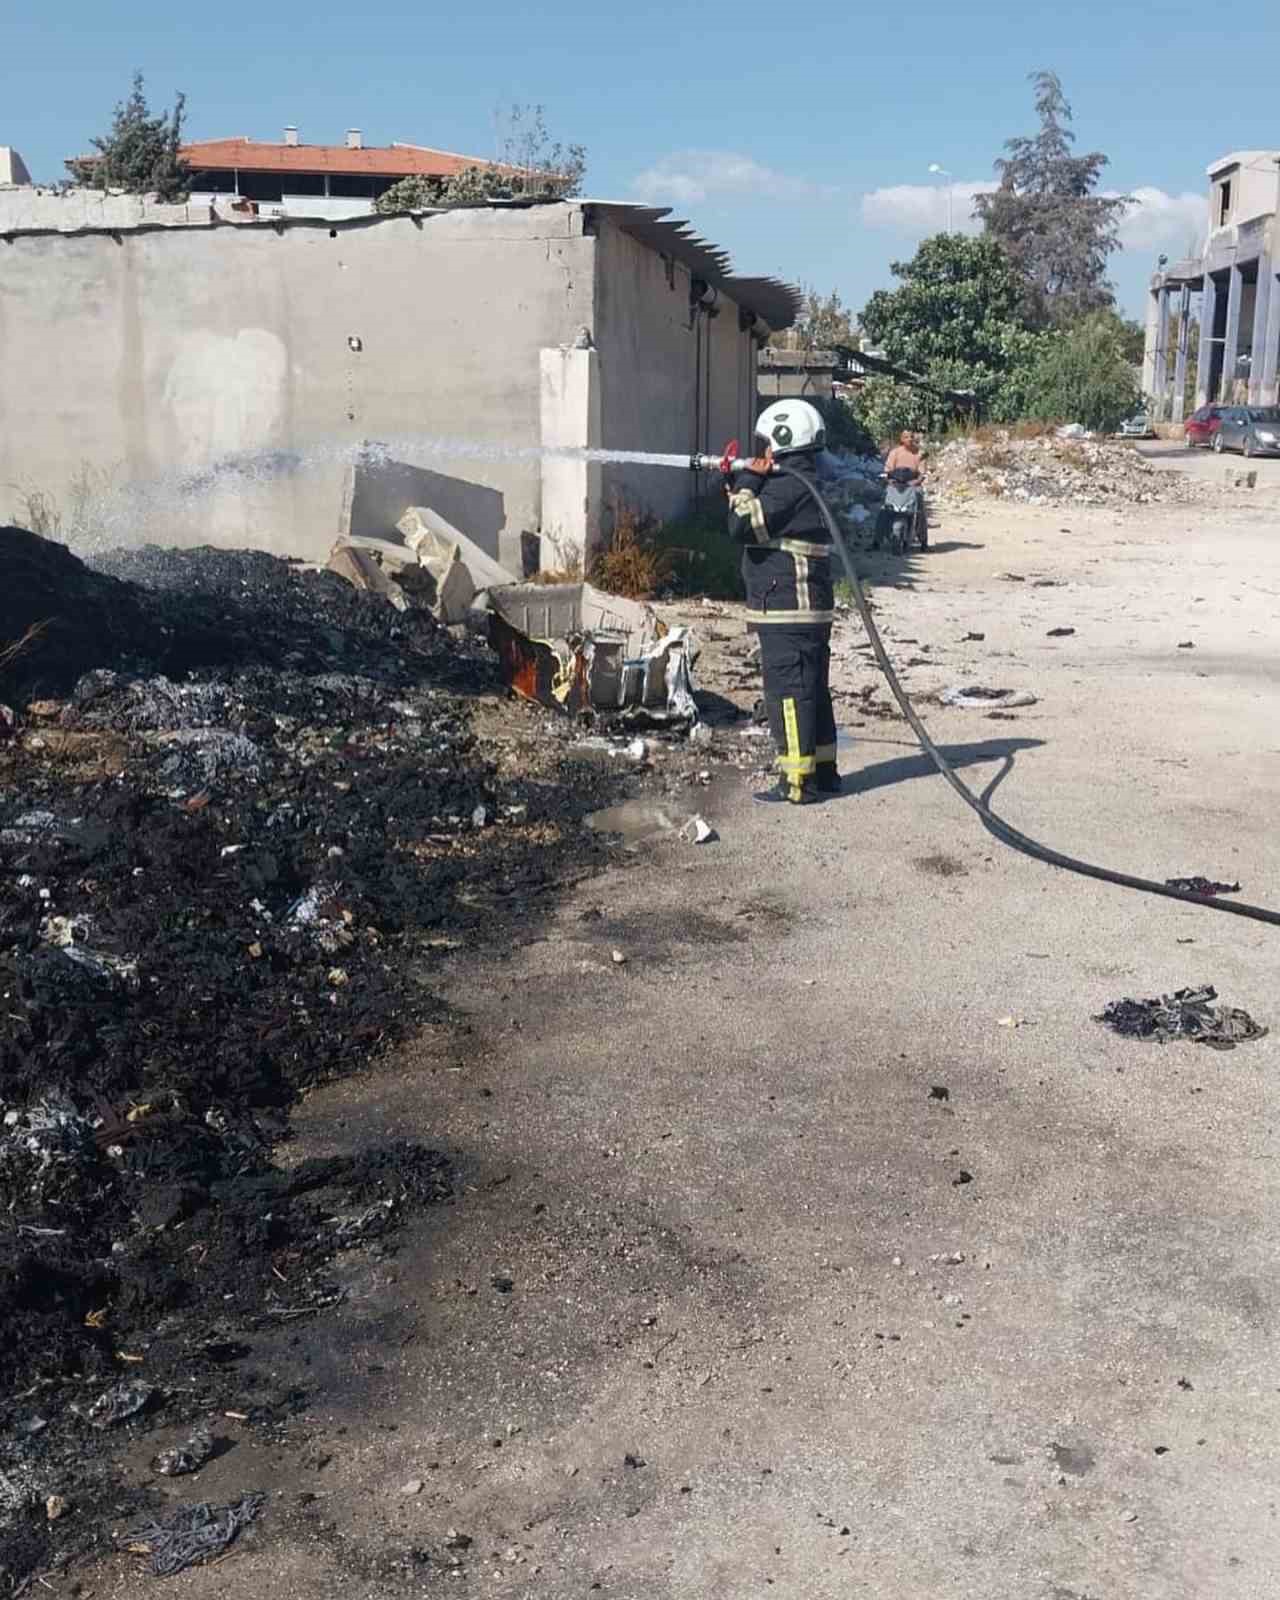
903,513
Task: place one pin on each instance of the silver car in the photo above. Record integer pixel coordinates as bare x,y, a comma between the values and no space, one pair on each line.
1253,430
1138,427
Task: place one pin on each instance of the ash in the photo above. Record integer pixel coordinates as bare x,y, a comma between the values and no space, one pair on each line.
243,798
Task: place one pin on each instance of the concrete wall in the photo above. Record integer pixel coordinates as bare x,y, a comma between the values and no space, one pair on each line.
1253,189
668,381
13,169
71,210
145,357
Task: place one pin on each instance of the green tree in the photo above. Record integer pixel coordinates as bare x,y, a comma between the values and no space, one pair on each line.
1058,233
531,166
886,407
1133,338
1193,358
1085,375
956,321
538,164
141,154
822,322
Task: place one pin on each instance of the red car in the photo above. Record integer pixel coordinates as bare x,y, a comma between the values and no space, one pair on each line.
1200,427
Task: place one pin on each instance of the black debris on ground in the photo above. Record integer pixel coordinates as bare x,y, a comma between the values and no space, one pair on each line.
1196,885
1186,1014
243,805
193,1534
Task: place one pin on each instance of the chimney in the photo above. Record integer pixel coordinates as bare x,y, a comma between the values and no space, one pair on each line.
355,139
291,134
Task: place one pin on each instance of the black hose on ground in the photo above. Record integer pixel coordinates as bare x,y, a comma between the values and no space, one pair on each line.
1005,832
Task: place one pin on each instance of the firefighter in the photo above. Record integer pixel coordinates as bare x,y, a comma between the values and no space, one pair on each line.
786,567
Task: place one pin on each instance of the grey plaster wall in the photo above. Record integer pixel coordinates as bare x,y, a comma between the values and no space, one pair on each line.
141,359
650,358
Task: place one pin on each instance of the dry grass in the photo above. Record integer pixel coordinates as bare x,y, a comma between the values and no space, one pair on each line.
10,653
565,565
634,564
1001,433
39,512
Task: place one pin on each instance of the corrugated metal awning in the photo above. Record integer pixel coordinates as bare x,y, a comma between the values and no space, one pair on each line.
772,300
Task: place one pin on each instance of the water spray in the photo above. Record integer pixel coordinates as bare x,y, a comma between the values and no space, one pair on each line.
729,462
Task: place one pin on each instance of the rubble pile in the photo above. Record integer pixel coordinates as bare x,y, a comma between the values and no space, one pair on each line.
1053,471
224,863
853,487
432,566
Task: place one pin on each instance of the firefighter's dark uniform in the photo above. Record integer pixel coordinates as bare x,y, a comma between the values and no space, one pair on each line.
786,566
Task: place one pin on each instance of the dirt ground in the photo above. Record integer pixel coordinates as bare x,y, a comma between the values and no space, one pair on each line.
825,1245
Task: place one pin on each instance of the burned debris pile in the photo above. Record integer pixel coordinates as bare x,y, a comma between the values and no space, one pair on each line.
1185,1014
239,802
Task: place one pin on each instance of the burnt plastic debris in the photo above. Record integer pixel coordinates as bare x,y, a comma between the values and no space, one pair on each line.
1196,885
187,1457
1185,1014
571,646
977,696
193,1534
119,1403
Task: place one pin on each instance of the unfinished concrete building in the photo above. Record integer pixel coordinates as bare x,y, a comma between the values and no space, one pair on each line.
188,374
1228,290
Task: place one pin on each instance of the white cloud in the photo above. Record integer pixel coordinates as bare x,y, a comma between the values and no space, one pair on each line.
1157,219
924,208
690,176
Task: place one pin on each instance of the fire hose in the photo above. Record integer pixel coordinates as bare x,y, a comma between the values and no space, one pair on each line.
728,463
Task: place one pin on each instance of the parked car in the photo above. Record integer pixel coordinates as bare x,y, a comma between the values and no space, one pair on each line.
1201,427
1138,427
1253,430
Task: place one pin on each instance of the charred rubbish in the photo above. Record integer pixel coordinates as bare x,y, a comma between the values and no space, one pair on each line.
1185,1014
243,806
1199,885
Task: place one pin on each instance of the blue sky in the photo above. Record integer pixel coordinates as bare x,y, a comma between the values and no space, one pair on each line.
801,142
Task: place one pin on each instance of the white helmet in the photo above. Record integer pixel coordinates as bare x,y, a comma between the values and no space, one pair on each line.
790,425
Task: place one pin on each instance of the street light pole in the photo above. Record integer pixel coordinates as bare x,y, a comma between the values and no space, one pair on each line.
941,172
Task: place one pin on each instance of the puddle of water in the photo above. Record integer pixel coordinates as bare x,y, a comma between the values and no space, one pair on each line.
639,821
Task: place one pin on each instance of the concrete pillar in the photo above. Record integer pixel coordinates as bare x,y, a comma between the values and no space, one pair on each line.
1180,365
1159,390
1261,311
1269,358
1208,307
572,491
1231,341
1151,341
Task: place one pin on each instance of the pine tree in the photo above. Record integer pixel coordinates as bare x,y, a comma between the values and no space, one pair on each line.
142,154
1055,230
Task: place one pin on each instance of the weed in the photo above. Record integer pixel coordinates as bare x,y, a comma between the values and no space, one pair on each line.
844,593
42,512
634,563
704,560
565,565
38,511
9,653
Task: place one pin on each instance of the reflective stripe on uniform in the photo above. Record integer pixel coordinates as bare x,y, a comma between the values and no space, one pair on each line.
804,600
801,547
746,503
794,766
825,754
787,619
